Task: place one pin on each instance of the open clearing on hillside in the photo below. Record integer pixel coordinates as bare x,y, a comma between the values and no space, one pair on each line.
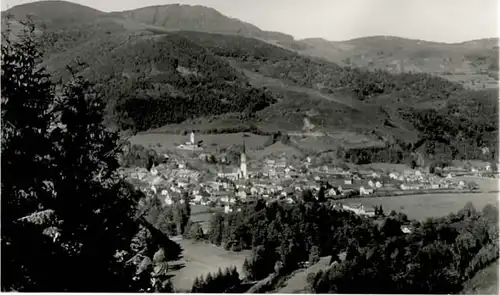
297,283
387,167
202,258
275,150
203,215
484,282
421,207
211,142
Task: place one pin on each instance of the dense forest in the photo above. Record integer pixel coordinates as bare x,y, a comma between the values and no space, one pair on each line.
436,257
310,72
156,80
153,78
466,124
67,217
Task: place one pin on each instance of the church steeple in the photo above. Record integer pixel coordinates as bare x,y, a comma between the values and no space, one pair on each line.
243,162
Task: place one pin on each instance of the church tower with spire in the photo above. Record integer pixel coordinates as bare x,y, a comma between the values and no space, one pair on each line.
243,162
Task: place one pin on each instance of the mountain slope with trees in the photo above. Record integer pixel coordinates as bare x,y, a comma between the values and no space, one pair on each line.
69,222
151,76
438,256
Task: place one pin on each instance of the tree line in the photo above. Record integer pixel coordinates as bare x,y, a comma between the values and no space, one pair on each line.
220,282
67,217
436,257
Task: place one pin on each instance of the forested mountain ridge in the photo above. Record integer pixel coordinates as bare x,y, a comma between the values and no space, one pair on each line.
153,75
473,63
197,18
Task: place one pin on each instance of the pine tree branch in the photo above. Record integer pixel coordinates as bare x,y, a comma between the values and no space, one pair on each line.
40,217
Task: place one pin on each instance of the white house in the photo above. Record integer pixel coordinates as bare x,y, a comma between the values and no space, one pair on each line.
461,183
254,190
197,198
331,192
168,201
378,184
368,212
405,229
241,194
365,191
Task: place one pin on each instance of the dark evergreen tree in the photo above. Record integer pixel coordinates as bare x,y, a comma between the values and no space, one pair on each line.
314,255
64,197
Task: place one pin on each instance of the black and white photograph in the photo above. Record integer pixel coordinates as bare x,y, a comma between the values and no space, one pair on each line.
266,146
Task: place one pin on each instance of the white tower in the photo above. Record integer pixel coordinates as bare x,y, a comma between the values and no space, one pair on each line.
243,163
191,138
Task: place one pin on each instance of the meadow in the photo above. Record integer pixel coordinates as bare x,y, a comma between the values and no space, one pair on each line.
485,184
203,215
211,142
484,282
297,283
421,207
201,258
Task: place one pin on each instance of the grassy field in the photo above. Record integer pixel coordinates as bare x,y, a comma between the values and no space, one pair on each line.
275,150
203,258
387,167
298,281
203,215
484,282
485,184
421,207
211,142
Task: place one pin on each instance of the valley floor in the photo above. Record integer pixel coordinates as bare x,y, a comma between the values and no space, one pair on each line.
421,207
200,258
484,282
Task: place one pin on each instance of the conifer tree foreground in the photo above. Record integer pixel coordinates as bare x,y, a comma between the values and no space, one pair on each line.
69,223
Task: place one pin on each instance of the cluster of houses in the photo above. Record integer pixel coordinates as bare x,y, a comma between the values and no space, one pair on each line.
276,179
356,208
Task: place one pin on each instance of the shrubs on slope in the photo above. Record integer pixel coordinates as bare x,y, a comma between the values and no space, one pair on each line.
436,257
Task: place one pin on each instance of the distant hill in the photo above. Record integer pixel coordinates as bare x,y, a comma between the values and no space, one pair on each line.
197,18
473,63
155,66
52,11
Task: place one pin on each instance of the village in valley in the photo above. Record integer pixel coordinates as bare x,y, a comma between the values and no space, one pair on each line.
219,186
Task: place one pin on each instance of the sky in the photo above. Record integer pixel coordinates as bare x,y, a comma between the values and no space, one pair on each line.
431,20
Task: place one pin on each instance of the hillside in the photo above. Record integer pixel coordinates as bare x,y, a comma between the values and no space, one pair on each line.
154,73
197,18
52,11
473,63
